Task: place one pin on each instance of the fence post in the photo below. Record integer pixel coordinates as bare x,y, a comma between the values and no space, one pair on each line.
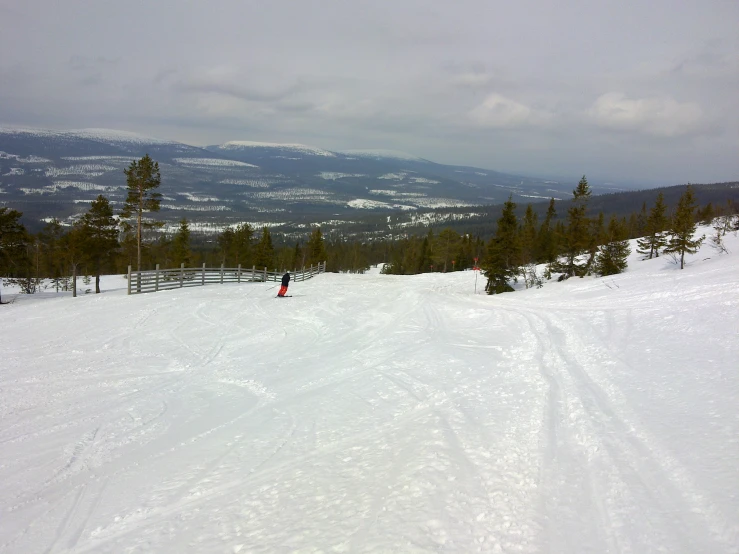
221,273
238,274
182,274
129,279
253,272
156,279
203,281
302,274
265,274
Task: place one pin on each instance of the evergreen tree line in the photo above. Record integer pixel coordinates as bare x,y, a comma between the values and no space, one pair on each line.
575,244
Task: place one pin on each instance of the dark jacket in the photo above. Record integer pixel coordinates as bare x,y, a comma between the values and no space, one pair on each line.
285,279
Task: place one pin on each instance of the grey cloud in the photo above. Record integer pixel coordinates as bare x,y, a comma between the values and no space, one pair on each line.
524,86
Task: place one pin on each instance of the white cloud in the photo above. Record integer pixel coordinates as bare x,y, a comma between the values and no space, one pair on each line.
497,111
660,116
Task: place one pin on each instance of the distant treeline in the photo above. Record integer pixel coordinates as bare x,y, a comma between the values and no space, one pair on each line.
572,237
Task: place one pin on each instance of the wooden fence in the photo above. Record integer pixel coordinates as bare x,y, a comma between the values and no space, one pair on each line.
140,282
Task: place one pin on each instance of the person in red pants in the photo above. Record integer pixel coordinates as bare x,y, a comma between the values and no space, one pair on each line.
285,282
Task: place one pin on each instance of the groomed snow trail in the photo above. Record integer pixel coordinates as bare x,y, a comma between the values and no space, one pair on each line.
374,413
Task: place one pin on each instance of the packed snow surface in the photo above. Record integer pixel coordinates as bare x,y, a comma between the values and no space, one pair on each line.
373,413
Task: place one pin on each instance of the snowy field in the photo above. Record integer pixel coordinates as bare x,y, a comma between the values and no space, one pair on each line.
373,413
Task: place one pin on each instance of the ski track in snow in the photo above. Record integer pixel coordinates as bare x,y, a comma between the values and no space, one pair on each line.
376,413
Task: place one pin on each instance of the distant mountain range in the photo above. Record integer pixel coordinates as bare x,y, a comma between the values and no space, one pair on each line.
46,174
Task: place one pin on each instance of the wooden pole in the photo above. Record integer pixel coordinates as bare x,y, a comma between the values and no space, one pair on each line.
182,274
221,273
156,280
203,280
238,274
129,279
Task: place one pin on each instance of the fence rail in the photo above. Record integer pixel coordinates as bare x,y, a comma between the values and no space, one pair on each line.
140,282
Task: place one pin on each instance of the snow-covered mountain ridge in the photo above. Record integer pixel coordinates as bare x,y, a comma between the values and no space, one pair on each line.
374,413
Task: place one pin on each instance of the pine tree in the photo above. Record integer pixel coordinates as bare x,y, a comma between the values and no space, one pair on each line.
576,239
298,257
142,180
706,215
316,251
13,241
264,252
597,237
50,237
446,244
181,253
241,248
655,239
682,228
73,247
503,252
611,257
100,235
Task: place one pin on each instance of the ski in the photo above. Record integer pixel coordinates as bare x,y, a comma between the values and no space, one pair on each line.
285,296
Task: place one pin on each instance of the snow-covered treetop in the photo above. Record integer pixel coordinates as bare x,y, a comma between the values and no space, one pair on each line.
300,148
380,153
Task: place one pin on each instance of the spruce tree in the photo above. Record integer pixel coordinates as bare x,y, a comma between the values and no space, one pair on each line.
682,228
50,237
264,253
298,258
13,241
100,233
576,239
611,257
142,180
316,251
73,247
500,264
181,253
445,246
241,248
654,240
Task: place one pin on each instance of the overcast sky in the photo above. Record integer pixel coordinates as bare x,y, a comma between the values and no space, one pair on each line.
640,91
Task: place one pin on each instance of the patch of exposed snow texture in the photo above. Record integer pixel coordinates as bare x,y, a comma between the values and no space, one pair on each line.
198,198
100,135
424,180
301,148
393,154
254,183
98,158
89,170
364,204
29,160
212,162
393,176
431,218
15,171
377,413
396,194
218,208
442,203
291,194
332,176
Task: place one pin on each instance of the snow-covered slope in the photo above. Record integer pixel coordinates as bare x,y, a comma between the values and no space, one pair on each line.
380,153
295,148
109,136
373,413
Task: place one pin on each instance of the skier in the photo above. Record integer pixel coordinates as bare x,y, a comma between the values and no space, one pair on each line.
285,281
